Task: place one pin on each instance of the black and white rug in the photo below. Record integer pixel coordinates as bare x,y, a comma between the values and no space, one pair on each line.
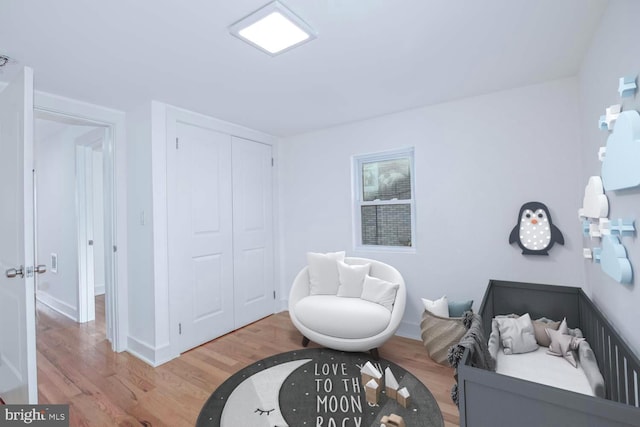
316,388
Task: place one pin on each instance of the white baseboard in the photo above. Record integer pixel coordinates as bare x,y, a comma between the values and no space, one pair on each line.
409,330
55,304
148,354
141,350
164,354
99,289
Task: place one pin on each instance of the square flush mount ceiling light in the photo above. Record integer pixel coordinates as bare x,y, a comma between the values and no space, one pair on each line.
273,29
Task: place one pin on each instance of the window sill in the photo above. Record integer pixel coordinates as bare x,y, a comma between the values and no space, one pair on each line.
385,249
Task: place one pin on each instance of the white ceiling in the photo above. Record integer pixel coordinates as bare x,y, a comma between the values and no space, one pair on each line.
371,57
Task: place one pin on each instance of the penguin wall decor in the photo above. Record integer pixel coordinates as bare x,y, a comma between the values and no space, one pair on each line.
534,231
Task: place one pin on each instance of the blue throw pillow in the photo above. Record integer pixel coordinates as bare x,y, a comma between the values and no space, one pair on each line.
457,308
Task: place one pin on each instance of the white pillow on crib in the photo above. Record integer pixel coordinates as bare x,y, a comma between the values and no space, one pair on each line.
516,334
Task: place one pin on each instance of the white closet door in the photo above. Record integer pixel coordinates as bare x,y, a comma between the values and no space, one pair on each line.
200,234
252,231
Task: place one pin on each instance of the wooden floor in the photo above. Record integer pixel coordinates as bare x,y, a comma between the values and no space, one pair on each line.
77,366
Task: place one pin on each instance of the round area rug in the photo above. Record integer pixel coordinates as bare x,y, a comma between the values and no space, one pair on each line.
319,388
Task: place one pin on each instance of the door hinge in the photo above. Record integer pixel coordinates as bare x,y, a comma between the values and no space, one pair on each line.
177,143
272,161
274,294
179,328
115,248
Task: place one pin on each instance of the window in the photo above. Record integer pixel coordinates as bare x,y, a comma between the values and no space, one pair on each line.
384,211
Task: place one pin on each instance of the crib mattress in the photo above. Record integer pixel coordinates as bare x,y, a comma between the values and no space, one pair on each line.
540,367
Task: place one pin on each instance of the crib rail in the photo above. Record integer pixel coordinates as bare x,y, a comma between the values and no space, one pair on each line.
617,363
490,399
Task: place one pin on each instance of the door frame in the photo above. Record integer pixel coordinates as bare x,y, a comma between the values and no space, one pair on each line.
115,220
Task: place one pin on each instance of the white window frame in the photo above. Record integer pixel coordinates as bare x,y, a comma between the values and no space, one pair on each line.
358,203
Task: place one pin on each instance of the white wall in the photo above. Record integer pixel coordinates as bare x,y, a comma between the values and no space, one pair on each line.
614,53
57,221
477,161
141,335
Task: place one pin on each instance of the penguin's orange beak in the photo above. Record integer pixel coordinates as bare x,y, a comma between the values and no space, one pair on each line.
534,221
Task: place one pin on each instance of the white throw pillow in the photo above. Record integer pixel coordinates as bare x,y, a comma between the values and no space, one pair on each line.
439,307
517,335
323,272
351,279
379,291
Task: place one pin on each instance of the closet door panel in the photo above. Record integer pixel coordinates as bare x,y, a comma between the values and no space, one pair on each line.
200,234
252,231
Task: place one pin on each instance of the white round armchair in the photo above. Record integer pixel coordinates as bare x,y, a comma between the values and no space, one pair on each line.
347,324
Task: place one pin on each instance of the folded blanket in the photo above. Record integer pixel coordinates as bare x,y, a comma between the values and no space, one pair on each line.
479,354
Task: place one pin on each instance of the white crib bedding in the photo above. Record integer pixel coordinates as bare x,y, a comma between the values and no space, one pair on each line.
540,367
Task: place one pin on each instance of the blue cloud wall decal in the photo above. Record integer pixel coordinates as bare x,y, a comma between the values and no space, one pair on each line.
621,163
627,87
614,261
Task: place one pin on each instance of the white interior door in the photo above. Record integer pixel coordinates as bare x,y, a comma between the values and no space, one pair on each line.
86,226
84,206
18,383
98,221
252,231
200,234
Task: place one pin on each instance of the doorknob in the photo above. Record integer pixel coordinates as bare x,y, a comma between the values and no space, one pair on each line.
13,272
41,268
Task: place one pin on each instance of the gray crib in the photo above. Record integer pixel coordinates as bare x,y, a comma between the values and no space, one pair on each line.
490,399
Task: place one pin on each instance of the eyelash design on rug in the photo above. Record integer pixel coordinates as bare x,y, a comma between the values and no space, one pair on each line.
262,411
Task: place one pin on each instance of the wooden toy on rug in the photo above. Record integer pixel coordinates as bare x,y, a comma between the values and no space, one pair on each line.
391,384
392,420
369,372
372,392
404,398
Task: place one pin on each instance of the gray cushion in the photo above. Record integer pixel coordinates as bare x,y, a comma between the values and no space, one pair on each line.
494,340
539,326
563,345
590,368
517,335
576,332
457,308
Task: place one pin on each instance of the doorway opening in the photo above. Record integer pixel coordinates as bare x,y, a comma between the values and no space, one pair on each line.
74,217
